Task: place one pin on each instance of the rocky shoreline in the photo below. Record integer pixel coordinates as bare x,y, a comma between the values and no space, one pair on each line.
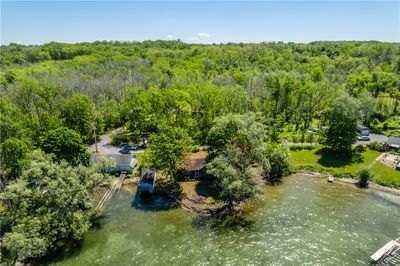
371,185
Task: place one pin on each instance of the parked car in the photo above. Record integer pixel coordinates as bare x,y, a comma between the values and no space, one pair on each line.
363,138
398,166
127,147
124,151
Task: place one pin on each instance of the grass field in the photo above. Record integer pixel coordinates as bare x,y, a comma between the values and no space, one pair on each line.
385,175
318,158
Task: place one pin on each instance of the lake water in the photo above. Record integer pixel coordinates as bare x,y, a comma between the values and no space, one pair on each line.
303,221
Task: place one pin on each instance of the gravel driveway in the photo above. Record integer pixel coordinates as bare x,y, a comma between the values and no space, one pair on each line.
373,137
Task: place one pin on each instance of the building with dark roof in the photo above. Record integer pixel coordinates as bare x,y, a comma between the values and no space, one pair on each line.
125,162
394,142
195,165
147,180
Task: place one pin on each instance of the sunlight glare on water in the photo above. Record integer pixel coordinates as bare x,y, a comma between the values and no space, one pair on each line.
303,221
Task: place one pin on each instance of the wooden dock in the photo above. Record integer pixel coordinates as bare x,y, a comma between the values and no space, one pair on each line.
114,190
389,254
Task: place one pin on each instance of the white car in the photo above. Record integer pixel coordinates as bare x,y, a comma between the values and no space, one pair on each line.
363,138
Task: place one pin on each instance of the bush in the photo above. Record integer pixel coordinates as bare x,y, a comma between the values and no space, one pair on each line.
385,126
122,137
364,175
376,146
195,148
303,147
375,122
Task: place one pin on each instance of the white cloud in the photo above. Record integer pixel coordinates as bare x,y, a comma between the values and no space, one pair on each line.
170,36
203,35
199,36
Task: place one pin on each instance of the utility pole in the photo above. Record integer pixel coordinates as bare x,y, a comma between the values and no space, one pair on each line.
95,137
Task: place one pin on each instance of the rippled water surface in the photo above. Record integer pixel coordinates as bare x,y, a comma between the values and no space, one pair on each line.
304,221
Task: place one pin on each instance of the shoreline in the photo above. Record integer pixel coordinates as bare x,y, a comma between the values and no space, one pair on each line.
371,185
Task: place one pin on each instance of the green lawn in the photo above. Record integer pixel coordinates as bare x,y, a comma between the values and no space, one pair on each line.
386,176
320,159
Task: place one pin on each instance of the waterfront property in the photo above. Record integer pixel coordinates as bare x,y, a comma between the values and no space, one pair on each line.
195,165
147,181
302,221
125,163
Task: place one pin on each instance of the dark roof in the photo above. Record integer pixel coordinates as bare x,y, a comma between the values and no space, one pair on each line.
120,159
147,175
394,140
195,161
361,127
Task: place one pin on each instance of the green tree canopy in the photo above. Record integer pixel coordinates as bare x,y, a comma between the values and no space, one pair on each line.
237,145
342,121
14,155
66,145
167,149
80,115
48,203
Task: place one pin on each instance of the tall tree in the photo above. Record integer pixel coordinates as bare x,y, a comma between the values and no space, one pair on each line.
49,203
80,115
167,150
14,155
237,145
66,145
342,121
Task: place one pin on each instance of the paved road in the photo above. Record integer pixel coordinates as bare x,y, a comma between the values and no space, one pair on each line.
104,146
373,137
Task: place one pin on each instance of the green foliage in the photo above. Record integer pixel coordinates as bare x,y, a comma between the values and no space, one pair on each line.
48,203
364,174
342,121
377,146
237,145
14,155
66,145
80,115
385,175
167,149
279,158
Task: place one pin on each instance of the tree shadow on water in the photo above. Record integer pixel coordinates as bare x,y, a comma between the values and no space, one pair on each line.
167,195
63,251
334,159
223,220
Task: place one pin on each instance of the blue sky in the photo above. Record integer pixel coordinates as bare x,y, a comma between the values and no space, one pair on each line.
201,22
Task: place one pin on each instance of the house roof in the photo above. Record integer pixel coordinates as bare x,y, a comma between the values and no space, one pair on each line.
361,127
394,141
195,161
120,159
147,175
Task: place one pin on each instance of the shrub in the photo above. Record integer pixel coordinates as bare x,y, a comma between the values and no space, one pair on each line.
376,146
385,126
364,175
375,121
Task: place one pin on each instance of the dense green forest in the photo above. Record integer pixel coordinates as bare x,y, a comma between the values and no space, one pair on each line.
141,84
54,96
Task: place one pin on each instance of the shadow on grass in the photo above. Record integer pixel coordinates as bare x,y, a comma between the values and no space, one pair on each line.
167,195
206,189
334,159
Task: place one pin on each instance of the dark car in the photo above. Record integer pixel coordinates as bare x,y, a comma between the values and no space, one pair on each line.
127,147
398,166
124,151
